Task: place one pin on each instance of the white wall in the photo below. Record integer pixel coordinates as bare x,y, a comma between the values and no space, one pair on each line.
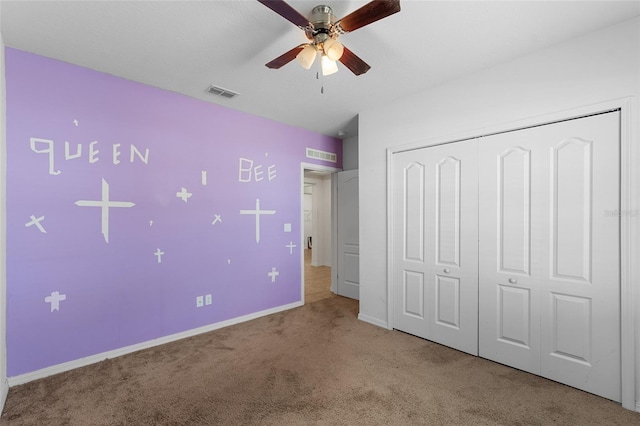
4,387
350,153
598,67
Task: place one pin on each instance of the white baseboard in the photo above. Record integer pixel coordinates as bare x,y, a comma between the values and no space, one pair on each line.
60,368
372,320
4,391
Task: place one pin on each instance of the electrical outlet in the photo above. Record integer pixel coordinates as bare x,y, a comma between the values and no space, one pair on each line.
199,301
207,299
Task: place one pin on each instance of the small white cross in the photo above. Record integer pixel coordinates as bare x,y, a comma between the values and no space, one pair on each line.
36,221
257,212
217,219
290,246
159,254
151,223
55,300
75,122
184,194
273,274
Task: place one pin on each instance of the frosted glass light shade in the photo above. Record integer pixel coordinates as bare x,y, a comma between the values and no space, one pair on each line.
333,49
328,66
307,56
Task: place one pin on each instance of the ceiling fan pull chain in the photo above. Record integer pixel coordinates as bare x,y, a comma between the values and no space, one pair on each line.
321,81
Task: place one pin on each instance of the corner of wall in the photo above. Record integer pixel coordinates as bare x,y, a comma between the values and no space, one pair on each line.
4,386
350,153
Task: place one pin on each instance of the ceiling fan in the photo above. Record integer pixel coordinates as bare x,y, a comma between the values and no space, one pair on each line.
323,29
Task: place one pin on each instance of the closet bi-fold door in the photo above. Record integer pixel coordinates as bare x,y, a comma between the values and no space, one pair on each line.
435,249
549,252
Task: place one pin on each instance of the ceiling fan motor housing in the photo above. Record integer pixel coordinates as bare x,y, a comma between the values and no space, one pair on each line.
322,19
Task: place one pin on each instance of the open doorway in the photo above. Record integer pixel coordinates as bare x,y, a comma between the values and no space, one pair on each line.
317,233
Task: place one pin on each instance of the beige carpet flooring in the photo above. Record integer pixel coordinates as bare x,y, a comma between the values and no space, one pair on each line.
313,365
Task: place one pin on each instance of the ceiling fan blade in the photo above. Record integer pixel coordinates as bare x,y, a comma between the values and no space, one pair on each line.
287,12
285,58
353,62
370,12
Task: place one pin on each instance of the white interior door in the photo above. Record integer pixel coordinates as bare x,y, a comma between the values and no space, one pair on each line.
549,266
348,235
435,249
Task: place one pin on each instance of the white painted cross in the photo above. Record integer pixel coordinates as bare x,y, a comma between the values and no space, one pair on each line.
273,274
184,194
36,221
55,300
217,219
290,246
151,223
104,204
257,212
75,122
159,254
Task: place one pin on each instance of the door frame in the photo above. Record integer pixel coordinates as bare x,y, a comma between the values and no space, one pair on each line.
318,168
629,210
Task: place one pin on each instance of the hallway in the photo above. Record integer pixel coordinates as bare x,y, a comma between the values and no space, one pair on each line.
317,280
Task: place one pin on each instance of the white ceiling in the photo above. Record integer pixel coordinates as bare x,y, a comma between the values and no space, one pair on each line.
184,46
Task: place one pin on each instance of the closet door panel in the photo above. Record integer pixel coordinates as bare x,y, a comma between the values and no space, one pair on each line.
435,244
409,268
452,244
569,302
580,290
508,291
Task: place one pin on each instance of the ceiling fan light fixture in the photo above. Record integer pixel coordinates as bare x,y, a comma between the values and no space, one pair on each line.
307,56
328,66
333,49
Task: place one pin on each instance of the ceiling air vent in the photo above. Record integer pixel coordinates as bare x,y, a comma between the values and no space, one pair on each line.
221,92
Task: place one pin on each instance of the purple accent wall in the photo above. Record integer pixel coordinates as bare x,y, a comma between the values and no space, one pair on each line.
103,251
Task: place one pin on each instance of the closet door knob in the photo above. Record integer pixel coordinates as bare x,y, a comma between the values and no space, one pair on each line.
513,280
446,270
